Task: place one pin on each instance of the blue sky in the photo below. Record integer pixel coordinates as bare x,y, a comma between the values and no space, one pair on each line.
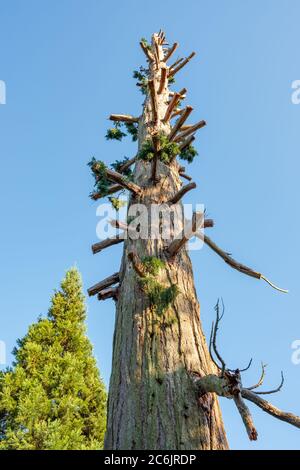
67,65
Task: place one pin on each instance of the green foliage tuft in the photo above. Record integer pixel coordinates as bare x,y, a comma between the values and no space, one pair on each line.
53,397
99,172
168,150
188,154
115,133
153,265
132,129
145,42
142,76
171,80
117,203
117,166
160,297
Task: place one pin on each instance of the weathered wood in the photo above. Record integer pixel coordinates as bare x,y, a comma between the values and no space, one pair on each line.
152,404
97,247
109,281
123,118
180,122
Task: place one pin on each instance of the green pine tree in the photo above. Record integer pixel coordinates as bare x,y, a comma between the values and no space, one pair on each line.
53,396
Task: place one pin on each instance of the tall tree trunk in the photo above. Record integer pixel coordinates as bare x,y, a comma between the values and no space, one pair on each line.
152,400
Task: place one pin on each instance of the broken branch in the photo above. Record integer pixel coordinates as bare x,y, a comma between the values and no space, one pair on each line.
147,52
235,264
136,263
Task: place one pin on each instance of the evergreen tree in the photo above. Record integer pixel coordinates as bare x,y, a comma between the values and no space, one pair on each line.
53,397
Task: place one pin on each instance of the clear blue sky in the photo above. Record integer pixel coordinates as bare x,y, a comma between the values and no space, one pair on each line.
67,65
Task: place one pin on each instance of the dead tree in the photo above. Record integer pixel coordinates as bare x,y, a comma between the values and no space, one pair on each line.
165,381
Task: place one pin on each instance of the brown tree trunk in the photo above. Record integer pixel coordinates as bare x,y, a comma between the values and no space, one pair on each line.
152,399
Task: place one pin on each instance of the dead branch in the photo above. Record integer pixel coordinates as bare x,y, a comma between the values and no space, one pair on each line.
136,263
271,409
180,122
119,178
189,131
123,118
229,384
187,233
109,281
110,293
235,264
171,51
173,72
114,188
97,247
274,390
163,80
261,379
182,192
173,103
246,417
153,96
147,52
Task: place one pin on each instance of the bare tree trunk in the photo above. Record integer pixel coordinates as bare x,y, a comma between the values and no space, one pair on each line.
152,399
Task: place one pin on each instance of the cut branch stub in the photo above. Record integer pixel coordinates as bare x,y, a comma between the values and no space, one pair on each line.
118,178
109,281
163,80
123,118
173,72
110,293
153,96
137,265
185,143
188,232
182,192
114,188
173,103
147,52
97,247
180,122
171,51
189,131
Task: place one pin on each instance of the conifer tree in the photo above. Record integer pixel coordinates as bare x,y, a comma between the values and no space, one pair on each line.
53,396
165,379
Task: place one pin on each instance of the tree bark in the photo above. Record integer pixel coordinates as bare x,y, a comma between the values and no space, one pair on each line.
152,399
